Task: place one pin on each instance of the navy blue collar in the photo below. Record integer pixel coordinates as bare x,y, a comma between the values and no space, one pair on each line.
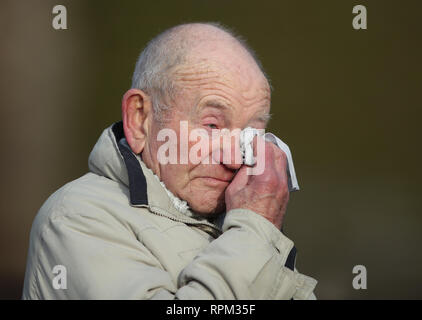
137,181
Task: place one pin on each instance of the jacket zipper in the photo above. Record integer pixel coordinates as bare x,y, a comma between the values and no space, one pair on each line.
209,228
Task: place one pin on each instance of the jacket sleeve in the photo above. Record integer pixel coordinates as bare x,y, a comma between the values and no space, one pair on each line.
245,262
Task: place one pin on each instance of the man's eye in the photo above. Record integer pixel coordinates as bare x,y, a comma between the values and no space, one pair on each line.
212,125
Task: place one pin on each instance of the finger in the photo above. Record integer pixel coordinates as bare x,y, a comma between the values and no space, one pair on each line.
239,181
264,166
280,164
280,158
260,150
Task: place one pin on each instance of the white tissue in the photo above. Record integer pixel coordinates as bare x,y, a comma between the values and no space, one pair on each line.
246,149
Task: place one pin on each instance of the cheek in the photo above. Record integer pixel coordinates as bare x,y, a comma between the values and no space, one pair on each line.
174,173
176,178
201,148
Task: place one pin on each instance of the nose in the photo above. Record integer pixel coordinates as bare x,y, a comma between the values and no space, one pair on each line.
226,149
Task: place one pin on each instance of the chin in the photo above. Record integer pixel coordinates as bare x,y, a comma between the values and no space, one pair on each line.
209,207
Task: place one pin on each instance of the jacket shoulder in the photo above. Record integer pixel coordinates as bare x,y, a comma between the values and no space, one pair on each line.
89,212
89,195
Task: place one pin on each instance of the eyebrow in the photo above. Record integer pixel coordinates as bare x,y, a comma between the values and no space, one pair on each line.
263,117
217,104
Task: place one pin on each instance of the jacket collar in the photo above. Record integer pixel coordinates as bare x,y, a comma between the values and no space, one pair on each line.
112,157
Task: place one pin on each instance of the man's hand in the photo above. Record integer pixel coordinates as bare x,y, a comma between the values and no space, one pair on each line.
266,194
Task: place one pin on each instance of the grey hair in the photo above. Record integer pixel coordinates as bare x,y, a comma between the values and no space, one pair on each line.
153,70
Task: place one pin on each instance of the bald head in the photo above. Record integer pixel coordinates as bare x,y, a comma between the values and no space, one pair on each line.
185,46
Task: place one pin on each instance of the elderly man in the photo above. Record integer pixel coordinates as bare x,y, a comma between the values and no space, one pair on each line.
135,227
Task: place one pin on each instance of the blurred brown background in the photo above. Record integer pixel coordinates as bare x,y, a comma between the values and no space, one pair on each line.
347,102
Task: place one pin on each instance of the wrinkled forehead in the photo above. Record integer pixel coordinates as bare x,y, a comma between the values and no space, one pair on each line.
236,79
228,58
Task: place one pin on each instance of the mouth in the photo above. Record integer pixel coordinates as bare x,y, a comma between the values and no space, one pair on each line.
215,181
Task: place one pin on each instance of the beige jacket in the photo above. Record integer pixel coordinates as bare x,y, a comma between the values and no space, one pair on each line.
118,235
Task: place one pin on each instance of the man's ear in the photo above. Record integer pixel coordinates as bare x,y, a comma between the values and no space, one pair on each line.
136,113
